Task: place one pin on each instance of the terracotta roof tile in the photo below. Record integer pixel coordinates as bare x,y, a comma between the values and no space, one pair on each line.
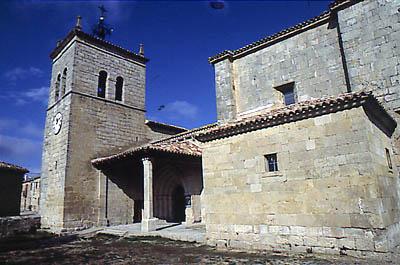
298,111
179,144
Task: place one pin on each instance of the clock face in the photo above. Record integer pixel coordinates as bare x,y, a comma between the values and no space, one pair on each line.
57,122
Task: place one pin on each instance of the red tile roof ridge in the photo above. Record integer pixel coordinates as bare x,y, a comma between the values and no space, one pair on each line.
281,34
291,110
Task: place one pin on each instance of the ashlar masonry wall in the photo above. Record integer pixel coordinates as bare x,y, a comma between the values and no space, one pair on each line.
72,189
311,59
371,35
333,192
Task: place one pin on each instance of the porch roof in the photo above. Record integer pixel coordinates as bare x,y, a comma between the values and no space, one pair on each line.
182,144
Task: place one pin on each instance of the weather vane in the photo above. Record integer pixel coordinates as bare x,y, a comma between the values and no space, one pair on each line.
101,29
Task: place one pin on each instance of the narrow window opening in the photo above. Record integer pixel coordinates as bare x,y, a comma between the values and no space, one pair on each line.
64,82
119,88
101,87
388,158
271,162
287,91
57,87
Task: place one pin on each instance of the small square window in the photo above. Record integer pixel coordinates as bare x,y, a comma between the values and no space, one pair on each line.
271,162
388,158
287,91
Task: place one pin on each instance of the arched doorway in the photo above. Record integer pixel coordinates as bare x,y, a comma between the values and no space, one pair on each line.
178,204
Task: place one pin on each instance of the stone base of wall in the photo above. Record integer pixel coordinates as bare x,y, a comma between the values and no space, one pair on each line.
14,225
356,242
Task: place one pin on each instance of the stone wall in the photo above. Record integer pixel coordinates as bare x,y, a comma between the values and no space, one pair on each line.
371,35
92,126
30,195
100,128
14,225
310,59
90,60
54,155
54,162
333,192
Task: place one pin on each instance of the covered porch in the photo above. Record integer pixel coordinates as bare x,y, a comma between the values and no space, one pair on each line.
162,183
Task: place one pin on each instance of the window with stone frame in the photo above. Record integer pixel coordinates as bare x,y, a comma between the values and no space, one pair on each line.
287,92
63,82
388,159
101,87
119,88
57,88
271,162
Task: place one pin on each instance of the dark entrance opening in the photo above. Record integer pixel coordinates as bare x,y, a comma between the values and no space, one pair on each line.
178,204
138,206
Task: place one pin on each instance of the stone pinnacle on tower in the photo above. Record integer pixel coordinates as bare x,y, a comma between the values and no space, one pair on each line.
141,49
78,25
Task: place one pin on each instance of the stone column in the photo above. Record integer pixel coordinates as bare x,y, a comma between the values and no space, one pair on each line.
148,220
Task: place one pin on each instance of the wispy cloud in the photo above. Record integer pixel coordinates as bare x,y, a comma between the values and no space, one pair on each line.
6,124
12,148
19,73
21,98
24,148
37,94
180,109
26,129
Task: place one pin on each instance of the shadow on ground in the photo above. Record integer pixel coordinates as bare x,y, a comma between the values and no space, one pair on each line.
43,248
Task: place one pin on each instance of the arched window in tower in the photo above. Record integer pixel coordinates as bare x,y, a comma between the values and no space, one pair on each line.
119,88
57,88
101,88
64,82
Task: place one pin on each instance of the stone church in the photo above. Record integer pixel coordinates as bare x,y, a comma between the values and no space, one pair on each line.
304,155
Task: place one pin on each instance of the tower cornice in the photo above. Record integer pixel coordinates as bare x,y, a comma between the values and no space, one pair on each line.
97,42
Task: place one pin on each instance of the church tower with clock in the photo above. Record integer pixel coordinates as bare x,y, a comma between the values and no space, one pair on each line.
96,104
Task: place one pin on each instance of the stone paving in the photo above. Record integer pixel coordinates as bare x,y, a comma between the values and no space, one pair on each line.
175,231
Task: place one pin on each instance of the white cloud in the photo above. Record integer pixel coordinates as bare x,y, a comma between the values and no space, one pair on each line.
181,109
21,98
32,129
28,129
40,94
15,147
22,73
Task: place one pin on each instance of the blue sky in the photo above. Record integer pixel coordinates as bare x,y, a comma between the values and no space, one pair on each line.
178,36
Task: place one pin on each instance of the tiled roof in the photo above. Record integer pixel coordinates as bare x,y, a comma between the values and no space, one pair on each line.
8,166
98,42
179,144
255,46
302,110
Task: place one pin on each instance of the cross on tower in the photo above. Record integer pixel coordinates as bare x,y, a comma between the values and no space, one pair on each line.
101,29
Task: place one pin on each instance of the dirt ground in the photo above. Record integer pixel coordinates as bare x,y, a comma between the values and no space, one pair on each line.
47,249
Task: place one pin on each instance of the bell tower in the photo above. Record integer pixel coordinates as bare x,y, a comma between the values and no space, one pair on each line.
96,104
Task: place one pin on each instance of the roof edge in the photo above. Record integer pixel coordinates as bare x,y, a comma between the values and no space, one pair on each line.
165,125
283,34
12,167
375,112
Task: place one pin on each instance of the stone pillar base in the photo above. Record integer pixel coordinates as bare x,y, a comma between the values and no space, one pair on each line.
149,225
